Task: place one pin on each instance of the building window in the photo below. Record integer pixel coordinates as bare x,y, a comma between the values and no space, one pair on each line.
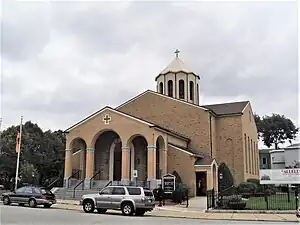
264,161
191,90
250,116
181,89
246,152
161,88
170,88
249,156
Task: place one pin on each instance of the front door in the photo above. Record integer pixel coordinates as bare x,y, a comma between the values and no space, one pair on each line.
117,197
201,184
103,200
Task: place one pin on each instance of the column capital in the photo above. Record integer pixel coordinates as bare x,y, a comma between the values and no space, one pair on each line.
90,150
125,149
153,148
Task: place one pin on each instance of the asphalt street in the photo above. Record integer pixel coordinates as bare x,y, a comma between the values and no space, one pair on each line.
14,215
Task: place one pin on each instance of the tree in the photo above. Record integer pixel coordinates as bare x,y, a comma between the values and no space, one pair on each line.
275,129
42,150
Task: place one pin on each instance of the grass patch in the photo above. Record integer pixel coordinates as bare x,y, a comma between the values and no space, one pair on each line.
278,201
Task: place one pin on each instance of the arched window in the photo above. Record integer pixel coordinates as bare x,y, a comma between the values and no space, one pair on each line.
181,89
191,90
170,88
161,88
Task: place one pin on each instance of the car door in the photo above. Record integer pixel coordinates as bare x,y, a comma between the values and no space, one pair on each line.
118,195
27,194
17,197
103,199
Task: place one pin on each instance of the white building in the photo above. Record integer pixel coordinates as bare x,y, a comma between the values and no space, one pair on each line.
288,157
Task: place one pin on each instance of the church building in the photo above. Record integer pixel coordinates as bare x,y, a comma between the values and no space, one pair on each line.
159,132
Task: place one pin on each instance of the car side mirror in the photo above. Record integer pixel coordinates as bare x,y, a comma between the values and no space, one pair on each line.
100,193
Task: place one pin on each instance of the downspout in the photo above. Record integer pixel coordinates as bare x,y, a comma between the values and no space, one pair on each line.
210,135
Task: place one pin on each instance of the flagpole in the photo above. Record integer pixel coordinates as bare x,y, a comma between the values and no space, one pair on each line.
18,158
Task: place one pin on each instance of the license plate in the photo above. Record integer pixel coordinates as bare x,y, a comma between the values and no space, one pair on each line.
149,200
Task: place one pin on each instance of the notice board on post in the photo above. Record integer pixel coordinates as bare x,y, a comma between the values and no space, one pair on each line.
168,183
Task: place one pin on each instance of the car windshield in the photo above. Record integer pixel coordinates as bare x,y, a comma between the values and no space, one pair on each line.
148,193
45,191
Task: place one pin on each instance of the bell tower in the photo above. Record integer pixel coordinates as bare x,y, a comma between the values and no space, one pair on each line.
177,81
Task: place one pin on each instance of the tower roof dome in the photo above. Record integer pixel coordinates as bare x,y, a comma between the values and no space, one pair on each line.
176,66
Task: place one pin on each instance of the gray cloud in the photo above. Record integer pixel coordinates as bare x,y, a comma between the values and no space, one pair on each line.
62,61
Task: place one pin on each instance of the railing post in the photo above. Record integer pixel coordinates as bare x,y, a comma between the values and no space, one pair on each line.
297,198
213,198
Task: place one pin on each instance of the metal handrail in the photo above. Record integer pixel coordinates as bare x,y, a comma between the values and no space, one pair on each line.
73,174
74,189
52,183
93,178
109,183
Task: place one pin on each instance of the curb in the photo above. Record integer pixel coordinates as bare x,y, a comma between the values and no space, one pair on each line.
189,217
252,211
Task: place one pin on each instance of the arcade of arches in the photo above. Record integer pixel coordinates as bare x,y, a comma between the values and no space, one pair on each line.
111,151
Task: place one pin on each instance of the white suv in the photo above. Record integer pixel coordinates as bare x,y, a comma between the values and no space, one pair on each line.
128,199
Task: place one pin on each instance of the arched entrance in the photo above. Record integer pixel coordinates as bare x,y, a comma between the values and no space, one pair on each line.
108,156
160,148
78,149
138,157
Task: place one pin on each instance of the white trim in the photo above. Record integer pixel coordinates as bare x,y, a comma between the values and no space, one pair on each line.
112,110
180,149
246,106
203,165
276,150
161,95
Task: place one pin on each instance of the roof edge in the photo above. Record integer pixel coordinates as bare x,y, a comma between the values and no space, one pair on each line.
100,111
171,133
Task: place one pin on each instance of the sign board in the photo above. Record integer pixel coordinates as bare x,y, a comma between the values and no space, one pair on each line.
280,176
135,173
168,183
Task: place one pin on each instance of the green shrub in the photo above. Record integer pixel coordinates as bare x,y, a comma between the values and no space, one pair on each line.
237,205
180,192
247,189
224,201
227,180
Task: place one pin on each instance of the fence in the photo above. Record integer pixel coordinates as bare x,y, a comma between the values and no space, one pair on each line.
269,199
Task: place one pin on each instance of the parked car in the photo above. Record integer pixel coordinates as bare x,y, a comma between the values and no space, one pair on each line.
130,200
31,195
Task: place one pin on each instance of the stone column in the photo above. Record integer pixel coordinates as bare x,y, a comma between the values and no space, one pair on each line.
164,162
151,167
82,163
89,168
68,166
125,164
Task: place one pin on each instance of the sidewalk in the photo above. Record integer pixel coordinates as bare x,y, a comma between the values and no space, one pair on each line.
180,211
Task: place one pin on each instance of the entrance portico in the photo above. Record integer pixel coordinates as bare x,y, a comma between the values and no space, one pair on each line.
113,145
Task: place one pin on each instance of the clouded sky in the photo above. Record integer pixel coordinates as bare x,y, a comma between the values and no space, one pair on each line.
62,61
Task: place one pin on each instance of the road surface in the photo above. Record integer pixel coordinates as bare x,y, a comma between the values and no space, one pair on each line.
16,215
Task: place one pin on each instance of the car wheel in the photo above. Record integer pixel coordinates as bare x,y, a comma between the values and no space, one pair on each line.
32,203
47,206
6,200
127,209
140,212
88,206
101,211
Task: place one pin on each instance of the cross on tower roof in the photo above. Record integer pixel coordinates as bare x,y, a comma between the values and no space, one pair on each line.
177,52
